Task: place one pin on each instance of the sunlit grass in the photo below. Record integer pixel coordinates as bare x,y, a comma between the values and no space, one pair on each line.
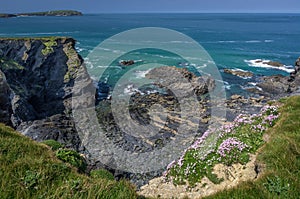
30,170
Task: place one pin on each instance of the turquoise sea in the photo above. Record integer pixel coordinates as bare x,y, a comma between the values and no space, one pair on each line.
232,40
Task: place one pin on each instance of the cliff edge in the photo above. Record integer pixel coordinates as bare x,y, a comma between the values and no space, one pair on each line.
36,81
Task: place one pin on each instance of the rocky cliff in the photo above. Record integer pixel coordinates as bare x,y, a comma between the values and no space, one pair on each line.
36,81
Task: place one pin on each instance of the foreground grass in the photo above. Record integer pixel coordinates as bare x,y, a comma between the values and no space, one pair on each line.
30,170
281,157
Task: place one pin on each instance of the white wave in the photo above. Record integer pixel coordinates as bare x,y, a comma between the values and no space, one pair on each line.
262,63
180,42
260,89
268,41
227,87
43,33
79,49
252,83
88,63
247,41
223,82
253,41
130,90
227,41
141,74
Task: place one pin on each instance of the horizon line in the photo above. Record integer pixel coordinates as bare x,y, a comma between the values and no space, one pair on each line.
170,12
195,12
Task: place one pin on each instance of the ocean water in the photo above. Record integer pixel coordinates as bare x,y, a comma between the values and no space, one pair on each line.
233,41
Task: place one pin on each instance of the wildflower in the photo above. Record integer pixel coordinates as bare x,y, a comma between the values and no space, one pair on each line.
229,144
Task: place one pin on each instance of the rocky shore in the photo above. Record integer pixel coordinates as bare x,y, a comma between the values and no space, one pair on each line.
277,86
37,78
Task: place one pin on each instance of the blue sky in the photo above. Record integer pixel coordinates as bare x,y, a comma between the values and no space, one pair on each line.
131,6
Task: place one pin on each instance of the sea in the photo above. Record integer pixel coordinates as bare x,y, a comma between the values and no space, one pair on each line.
235,41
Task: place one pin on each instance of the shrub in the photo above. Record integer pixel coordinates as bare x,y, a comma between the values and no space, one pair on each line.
53,144
73,158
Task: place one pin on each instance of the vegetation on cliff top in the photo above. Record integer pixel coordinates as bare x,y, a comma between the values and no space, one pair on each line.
281,157
49,46
30,170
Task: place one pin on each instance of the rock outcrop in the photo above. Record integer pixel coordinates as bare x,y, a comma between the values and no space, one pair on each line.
4,15
126,62
239,73
38,76
5,101
270,63
181,80
277,86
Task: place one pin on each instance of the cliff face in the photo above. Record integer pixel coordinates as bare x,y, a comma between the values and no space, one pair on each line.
38,77
5,105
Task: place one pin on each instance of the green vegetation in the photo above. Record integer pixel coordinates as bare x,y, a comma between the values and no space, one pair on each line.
281,156
72,157
73,62
52,13
9,65
102,173
49,46
53,144
30,170
235,142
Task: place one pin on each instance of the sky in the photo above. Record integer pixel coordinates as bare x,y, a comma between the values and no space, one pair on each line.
140,6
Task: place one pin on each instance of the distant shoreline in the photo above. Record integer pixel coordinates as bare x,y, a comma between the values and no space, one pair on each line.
47,13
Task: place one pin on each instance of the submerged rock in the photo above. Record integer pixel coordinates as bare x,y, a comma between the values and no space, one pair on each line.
127,62
270,63
239,73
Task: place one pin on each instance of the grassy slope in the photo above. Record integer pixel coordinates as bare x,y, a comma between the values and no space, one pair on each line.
30,170
281,156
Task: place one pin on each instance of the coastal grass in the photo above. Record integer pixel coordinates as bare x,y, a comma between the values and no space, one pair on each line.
281,157
31,170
